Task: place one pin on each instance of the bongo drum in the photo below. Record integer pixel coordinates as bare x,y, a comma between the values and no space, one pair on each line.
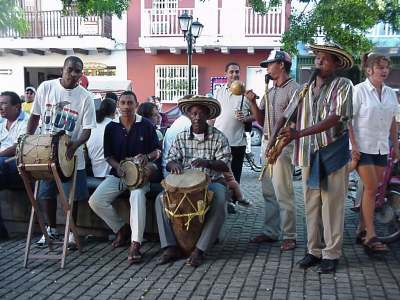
136,176
186,201
36,153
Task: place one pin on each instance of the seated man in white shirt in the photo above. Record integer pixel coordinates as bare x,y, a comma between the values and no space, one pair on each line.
12,124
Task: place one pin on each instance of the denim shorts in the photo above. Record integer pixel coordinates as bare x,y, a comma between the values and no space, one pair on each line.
373,159
48,188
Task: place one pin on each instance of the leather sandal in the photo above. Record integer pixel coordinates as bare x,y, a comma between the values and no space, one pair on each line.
134,255
262,238
195,259
375,246
288,244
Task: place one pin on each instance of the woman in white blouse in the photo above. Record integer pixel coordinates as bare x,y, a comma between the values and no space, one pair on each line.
374,110
95,144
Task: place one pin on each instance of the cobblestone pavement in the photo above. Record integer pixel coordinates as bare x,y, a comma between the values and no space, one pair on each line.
234,269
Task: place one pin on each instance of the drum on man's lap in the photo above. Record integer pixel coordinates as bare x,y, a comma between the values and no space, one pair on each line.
186,201
136,175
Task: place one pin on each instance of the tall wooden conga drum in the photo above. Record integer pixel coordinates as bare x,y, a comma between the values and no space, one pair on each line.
186,201
35,153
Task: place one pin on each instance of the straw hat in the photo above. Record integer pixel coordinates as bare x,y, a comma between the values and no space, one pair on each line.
346,61
212,104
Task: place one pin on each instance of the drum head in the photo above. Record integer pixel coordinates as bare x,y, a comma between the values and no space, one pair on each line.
131,171
66,166
189,179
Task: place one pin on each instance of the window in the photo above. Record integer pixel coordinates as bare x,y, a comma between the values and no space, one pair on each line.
162,16
171,81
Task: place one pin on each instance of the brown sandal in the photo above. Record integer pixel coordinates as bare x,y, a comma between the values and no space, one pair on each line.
134,255
288,244
374,245
195,259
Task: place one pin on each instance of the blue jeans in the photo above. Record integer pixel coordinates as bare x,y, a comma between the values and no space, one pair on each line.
8,173
48,188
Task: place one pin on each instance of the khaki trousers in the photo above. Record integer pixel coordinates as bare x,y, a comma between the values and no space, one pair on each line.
105,194
325,214
280,208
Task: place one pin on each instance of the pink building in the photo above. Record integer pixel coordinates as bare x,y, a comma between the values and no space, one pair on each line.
156,49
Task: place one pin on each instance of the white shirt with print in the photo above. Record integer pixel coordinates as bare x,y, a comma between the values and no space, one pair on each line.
71,110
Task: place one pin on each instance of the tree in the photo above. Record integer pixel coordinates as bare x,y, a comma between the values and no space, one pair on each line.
11,16
98,7
344,22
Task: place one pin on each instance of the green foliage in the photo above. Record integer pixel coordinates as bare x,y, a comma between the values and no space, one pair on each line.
344,22
12,17
98,7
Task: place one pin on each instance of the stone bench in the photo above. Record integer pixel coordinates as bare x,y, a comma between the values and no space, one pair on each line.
15,208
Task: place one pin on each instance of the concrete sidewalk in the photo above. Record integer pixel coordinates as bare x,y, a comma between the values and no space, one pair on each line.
234,268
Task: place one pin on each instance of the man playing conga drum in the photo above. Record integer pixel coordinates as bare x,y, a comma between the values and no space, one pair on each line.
133,136
63,105
205,148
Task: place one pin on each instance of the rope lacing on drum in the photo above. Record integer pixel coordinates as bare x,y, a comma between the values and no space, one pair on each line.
200,212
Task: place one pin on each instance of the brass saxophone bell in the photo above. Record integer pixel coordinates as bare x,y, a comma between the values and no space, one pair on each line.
237,87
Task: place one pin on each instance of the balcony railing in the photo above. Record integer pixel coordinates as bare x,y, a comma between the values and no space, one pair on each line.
56,24
270,24
163,22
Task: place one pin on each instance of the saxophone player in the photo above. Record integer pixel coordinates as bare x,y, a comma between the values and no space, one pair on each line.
322,111
277,186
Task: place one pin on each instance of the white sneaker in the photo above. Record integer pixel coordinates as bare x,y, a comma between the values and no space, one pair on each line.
53,234
71,242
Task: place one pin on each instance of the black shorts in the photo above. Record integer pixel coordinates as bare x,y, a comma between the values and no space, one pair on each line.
373,159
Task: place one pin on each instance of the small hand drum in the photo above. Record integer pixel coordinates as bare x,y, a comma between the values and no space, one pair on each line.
35,154
136,176
186,202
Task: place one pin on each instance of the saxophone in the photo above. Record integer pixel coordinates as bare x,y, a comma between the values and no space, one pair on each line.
276,150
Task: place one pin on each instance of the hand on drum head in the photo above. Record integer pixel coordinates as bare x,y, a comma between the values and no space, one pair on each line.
141,159
120,172
200,163
71,148
175,168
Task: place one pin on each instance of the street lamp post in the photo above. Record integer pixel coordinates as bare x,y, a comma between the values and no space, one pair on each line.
191,31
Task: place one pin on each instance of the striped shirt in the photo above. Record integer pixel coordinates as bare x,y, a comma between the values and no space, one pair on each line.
278,99
335,98
187,147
